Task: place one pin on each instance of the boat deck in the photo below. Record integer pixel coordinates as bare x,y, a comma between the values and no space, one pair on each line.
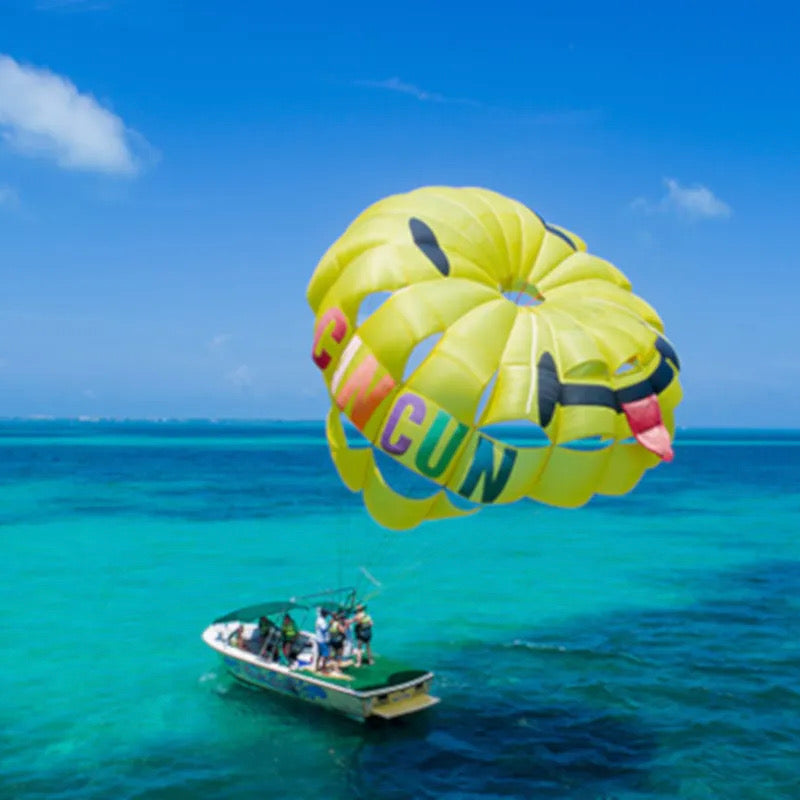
383,674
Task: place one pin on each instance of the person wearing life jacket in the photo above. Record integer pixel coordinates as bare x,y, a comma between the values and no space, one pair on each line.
363,627
337,631
289,634
263,634
236,639
268,640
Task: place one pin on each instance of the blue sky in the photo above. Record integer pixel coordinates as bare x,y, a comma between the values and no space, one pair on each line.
171,172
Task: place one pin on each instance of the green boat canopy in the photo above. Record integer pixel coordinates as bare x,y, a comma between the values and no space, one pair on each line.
250,613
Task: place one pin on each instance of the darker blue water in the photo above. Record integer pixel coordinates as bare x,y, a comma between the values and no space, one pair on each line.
642,647
250,470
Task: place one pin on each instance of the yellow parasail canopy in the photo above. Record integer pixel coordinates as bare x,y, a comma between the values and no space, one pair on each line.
529,328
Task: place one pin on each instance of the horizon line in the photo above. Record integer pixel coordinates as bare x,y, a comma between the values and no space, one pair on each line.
86,419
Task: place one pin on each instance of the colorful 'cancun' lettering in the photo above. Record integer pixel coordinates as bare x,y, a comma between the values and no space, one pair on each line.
359,390
417,415
431,441
482,468
364,390
333,321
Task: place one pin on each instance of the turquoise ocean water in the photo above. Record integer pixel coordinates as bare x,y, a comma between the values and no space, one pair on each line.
640,647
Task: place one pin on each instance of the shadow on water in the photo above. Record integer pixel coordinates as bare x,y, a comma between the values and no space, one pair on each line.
473,749
481,742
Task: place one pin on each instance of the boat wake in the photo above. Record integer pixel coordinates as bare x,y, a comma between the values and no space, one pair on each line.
538,646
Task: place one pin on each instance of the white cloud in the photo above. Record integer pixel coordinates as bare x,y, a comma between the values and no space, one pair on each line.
694,202
44,114
241,377
576,116
396,85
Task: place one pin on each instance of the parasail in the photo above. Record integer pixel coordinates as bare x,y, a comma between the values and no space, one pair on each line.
581,357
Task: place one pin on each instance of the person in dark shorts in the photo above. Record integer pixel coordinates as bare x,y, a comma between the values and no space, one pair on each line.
363,630
322,637
290,638
268,639
337,631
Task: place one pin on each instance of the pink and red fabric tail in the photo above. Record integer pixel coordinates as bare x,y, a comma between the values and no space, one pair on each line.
644,417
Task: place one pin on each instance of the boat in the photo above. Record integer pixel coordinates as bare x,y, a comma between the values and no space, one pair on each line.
249,642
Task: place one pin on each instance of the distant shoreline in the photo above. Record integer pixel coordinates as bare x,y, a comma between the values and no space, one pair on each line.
266,422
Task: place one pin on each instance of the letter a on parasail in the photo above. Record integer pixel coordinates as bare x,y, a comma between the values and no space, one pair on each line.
582,358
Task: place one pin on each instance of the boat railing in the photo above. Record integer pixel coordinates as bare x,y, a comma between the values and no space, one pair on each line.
344,595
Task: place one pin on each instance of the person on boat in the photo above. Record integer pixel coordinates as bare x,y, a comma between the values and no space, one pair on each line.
289,637
363,628
336,632
263,632
322,635
236,639
269,638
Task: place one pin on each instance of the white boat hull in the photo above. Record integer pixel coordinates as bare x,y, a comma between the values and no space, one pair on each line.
387,701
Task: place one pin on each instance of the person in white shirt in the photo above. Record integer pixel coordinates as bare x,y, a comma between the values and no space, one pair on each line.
322,635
